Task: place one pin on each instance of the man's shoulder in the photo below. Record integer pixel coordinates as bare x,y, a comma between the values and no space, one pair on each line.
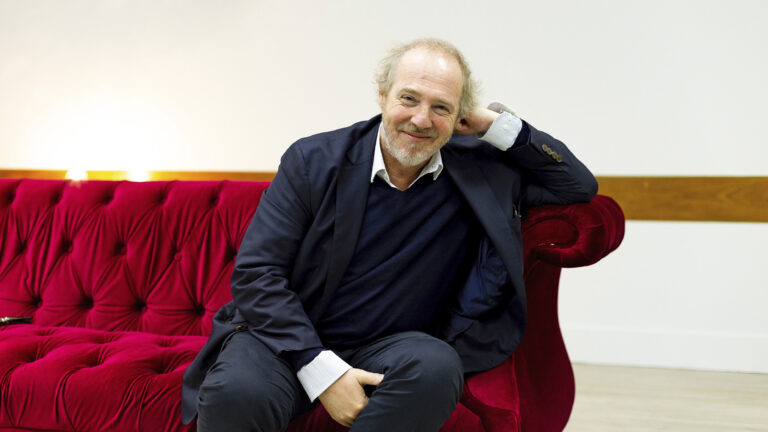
471,146
463,142
320,157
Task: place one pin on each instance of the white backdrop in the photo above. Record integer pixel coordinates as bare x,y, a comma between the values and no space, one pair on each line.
634,87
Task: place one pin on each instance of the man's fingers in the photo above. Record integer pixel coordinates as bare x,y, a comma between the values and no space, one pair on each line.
349,417
478,120
369,378
345,398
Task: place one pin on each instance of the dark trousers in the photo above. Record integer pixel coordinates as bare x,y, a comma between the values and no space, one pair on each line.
251,389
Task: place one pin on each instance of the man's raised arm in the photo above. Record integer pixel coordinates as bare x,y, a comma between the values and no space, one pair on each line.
552,172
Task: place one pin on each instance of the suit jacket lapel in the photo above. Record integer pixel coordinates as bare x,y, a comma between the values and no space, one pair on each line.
476,189
353,183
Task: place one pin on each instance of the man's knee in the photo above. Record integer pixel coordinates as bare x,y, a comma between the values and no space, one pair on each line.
442,368
434,368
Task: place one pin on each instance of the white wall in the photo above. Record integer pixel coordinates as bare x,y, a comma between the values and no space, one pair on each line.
635,87
679,294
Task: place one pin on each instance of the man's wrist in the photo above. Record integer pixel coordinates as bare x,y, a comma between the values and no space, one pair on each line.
504,131
324,370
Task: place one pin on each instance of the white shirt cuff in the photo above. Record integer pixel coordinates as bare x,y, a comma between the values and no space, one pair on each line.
317,375
503,131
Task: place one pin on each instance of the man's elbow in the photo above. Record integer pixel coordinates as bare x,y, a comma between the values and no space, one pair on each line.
586,190
590,188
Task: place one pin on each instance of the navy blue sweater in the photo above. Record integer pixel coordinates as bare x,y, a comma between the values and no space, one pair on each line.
411,246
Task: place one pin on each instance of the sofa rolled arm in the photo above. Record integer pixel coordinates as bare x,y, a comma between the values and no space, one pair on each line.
574,235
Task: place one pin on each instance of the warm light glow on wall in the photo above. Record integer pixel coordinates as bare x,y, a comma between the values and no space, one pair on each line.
138,176
76,174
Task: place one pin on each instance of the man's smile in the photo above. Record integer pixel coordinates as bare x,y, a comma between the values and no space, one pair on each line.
416,134
418,137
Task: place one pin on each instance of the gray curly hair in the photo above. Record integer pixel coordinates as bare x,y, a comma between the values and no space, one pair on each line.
385,73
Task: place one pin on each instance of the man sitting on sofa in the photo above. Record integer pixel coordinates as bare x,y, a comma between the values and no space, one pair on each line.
384,261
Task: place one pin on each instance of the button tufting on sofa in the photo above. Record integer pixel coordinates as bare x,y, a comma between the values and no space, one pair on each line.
120,248
87,303
231,254
56,198
162,369
39,355
106,199
140,306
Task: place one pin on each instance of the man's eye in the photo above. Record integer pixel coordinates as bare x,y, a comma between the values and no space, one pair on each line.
407,98
442,109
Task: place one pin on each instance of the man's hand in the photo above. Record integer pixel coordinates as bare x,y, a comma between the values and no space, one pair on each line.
345,398
476,121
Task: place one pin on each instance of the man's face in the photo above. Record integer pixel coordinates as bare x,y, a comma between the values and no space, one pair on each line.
421,108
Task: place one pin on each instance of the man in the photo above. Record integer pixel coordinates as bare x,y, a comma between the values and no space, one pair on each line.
384,261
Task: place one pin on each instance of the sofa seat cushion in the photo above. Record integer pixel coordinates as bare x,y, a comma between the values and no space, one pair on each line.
70,378
77,379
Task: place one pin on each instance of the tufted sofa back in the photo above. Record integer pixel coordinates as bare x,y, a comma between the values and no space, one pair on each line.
153,257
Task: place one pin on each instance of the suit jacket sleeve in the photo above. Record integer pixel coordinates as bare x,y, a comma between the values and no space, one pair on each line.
551,173
261,288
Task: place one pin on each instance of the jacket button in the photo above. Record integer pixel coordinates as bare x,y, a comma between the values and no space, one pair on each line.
240,328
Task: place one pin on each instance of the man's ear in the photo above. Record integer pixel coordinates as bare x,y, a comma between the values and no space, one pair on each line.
461,126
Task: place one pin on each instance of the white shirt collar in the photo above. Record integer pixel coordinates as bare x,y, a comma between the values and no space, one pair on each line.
434,166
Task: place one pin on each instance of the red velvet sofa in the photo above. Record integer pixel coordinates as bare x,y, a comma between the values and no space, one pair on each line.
121,280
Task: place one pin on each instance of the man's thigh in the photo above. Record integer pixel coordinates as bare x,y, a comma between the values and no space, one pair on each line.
249,388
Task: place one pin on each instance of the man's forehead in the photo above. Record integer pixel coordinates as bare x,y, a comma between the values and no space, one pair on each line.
436,60
424,65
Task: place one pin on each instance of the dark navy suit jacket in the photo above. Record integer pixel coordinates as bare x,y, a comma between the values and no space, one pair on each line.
305,229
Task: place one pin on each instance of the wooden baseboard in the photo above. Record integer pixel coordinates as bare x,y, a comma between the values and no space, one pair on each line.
718,199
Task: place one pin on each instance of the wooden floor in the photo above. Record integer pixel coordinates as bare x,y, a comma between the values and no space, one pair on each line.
628,399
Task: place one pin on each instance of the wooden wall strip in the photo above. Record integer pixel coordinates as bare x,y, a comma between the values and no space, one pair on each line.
35,174
721,199
153,175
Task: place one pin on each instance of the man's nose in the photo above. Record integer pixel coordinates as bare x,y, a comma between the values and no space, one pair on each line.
421,118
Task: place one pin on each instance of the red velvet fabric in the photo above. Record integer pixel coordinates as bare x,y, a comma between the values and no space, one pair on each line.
70,378
122,280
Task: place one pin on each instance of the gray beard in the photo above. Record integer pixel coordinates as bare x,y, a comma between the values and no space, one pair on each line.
401,155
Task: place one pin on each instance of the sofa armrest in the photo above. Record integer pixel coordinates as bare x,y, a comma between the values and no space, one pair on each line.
573,235
534,388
